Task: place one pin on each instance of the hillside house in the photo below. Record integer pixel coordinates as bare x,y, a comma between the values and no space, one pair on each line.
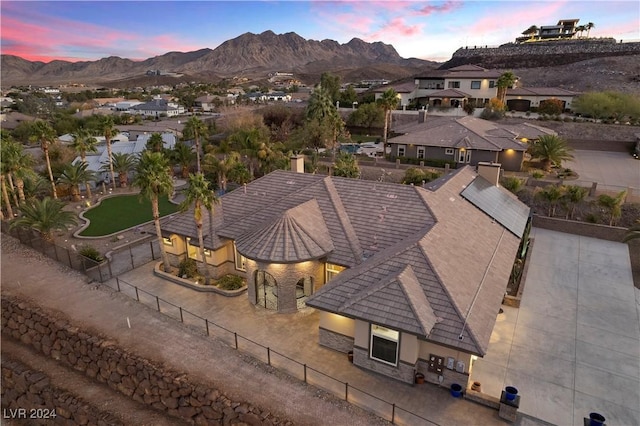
525,98
157,108
393,275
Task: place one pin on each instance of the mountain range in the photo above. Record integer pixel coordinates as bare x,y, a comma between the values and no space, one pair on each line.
249,55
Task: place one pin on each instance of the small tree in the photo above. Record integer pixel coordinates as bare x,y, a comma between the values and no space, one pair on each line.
346,165
551,150
574,195
613,205
551,194
551,107
73,175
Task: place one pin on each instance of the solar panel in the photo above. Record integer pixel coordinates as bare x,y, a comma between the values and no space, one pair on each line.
498,204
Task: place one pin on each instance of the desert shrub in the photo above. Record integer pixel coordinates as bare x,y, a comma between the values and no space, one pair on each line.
537,174
188,268
592,218
230,282
551,107
91,253
512,183
468,108
417,176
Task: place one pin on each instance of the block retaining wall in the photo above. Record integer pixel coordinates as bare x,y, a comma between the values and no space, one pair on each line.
28,394
141,380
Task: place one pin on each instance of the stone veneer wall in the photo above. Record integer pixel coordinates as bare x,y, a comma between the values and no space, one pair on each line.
131,375
31,391
403,372
336,341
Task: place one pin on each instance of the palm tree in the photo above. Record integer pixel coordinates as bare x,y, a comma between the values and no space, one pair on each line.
195,128
574,194
44,216
552,195
221,167
5,196
588,27
73,175
580,29
84,142
201,197
249,144
504,82
153,177
10,152
155,142
44,133
122,164
182,155
322,110
388,101
346,165
551,150
108,131
613,205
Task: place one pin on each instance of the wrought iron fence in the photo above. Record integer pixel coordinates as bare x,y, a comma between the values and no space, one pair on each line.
119,261
352,394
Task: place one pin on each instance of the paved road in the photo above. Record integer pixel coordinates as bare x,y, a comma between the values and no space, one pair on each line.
606,168
573,347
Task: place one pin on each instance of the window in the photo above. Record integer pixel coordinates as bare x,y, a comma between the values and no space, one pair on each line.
475,84
167,242
384,345
461,156
448,151
454,85
492,84
468,157
421,152
240,259
332,270
402,150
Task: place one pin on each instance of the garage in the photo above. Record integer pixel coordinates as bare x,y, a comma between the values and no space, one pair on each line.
519,105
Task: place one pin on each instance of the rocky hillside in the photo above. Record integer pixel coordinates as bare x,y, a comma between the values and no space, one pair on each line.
249,55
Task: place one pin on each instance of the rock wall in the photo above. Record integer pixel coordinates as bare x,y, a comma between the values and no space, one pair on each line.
538,54
131,375
29,395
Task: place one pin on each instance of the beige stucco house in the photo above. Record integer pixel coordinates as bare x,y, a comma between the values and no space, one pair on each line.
410,279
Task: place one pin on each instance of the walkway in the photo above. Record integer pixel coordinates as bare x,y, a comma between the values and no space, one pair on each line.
573,347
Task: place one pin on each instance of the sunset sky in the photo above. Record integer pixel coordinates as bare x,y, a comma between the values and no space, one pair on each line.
77,30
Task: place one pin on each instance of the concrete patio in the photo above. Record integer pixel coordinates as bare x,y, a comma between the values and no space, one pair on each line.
573,346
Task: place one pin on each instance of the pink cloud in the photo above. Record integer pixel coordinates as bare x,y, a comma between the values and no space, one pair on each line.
447,6
395,29
523,17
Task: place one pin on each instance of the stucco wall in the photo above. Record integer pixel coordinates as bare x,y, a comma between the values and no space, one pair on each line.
511,160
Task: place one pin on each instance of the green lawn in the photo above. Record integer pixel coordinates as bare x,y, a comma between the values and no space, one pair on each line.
121,212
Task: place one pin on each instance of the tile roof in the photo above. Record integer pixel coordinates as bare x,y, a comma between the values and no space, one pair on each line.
458,132
540,91
449,93
299,234
423,261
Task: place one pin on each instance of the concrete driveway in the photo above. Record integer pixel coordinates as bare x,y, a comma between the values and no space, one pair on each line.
606,168
573,346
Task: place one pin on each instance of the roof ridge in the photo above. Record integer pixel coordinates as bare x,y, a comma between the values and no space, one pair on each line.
413,290
343,219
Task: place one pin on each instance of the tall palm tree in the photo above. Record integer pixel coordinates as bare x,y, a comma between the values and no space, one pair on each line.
574,194
84,142
5,196
155,142
388,101
44,133
552,195
17,164
73,175
249,143
551,150
201,197
9,154
153,177
182,155
322,110
613,205
108,131
504,82
44,216
196,129
588,27
580,29
122,164
220,167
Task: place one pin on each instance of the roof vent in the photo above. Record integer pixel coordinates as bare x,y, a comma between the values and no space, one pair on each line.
290,182
392,196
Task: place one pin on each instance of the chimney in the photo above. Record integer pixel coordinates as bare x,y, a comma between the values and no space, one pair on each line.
422,116
297,163
490,171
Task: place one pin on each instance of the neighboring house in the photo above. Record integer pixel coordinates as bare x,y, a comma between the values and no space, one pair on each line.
464,141
564,29
127,105
457,86
209,103
157,108
278,96
525,98
119,144
406,92
408,278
